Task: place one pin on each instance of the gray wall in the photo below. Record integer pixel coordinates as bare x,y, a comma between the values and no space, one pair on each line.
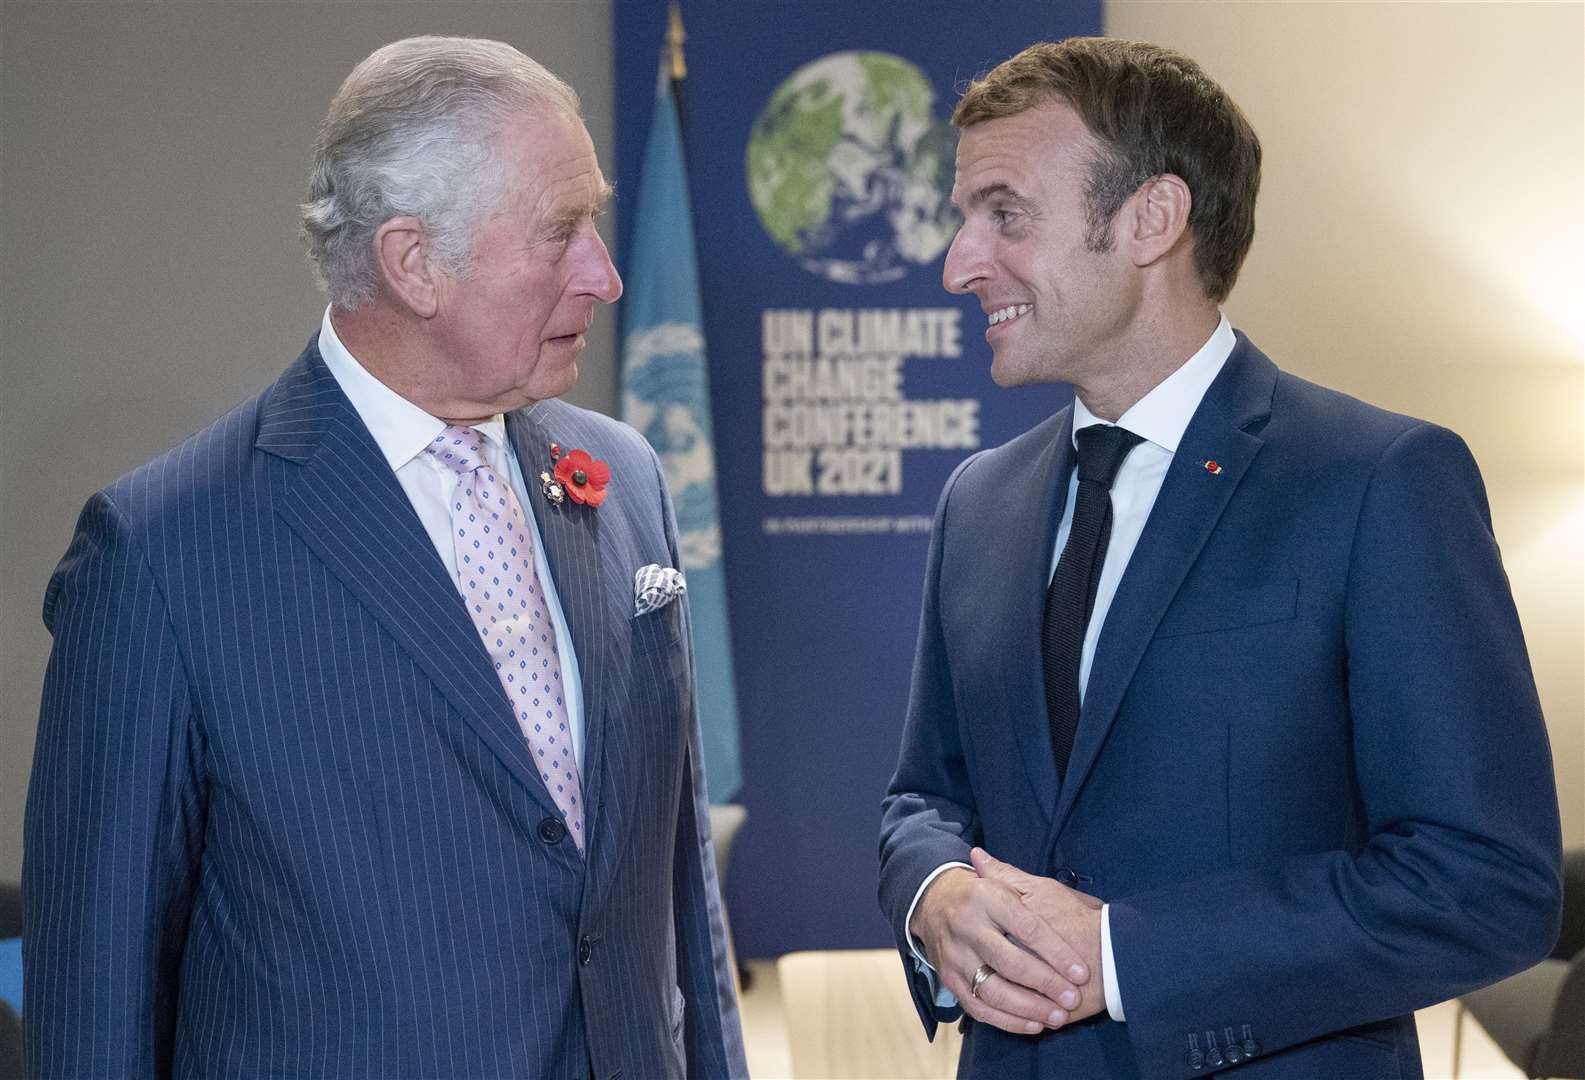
151,159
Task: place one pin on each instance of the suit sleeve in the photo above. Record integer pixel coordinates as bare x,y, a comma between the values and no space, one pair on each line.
114,817
712,1035
1456,880
927,816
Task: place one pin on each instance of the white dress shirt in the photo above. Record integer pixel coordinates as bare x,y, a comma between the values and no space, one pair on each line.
1160,418
402,430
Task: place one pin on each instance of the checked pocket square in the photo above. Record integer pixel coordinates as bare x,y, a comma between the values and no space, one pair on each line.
656,586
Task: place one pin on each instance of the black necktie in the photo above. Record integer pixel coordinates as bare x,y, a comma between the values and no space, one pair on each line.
1101,451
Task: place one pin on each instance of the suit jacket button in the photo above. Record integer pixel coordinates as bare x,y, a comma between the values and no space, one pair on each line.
1234,1054
1213,1058
1196,1060
551,830
585,950
1066,876
1251,1048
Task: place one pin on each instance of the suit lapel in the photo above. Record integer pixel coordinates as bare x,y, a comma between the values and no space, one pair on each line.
589,588
346,504
1186,511
1030,571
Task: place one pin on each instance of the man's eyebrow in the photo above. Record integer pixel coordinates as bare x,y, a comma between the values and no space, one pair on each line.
999,191
572,216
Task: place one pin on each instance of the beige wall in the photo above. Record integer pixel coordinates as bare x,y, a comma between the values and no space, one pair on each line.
1419,245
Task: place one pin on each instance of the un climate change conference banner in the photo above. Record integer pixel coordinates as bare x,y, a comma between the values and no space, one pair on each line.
846,385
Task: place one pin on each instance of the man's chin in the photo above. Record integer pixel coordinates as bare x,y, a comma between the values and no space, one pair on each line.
563,380
1009,369
1007,374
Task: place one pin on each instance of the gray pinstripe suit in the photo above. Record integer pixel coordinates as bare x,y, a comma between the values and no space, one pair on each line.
282,822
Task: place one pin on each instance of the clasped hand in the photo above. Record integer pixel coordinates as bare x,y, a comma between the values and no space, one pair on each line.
1040,939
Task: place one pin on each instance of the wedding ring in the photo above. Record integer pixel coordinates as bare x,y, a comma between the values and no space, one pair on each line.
981,973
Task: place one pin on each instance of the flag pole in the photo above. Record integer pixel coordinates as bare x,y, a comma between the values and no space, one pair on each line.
666,396
673,63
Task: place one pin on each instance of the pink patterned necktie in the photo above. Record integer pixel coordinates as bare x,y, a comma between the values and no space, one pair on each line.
495,573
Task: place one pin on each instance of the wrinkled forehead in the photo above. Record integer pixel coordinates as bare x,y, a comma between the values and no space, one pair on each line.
1015,156
551,160
990,162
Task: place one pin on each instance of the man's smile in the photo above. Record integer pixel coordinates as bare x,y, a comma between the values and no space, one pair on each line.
1009,313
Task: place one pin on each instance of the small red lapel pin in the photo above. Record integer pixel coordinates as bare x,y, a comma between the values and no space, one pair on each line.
577,476
1213,467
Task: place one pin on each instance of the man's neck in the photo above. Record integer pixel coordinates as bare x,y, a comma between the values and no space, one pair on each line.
392,349
1156,349
389,348
374,338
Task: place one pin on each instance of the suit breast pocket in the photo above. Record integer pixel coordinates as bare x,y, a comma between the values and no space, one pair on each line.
1231,608
657,630
658,653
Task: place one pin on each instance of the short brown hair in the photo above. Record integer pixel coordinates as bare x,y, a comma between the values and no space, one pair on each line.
1152,111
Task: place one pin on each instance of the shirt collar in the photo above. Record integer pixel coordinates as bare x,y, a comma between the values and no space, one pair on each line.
1163,415
401,429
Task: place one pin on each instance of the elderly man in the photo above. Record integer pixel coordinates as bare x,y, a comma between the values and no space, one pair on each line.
1223,748
368,742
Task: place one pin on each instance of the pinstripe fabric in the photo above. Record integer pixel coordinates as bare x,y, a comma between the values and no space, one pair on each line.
282,822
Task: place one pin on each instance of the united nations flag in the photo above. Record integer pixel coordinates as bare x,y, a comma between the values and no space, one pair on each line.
666,396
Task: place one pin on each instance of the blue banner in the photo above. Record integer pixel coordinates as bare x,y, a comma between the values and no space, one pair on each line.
847,385
666,396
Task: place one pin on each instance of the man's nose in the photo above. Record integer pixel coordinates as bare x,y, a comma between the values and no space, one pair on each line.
597,275
966,262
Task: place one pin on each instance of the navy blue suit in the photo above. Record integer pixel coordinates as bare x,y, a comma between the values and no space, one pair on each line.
1311,775
282,821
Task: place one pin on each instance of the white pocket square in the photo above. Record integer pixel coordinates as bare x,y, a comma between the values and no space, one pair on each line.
656,586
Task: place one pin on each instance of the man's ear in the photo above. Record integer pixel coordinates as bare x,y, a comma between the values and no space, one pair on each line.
1159,218
401,249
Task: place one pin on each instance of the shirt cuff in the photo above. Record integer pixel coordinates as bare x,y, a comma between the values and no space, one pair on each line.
943,998
1114,998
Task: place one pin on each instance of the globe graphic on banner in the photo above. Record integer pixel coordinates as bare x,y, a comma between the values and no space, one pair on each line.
850,169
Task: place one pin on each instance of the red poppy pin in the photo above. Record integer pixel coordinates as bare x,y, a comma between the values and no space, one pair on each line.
577,476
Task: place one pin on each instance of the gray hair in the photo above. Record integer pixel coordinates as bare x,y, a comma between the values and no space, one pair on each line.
411,133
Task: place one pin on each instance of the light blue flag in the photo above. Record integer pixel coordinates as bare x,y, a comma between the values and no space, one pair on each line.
666,396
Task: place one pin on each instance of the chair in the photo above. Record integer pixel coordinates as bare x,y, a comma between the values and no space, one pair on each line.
725,820
10,1044
10,981
1537,1017
11,945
